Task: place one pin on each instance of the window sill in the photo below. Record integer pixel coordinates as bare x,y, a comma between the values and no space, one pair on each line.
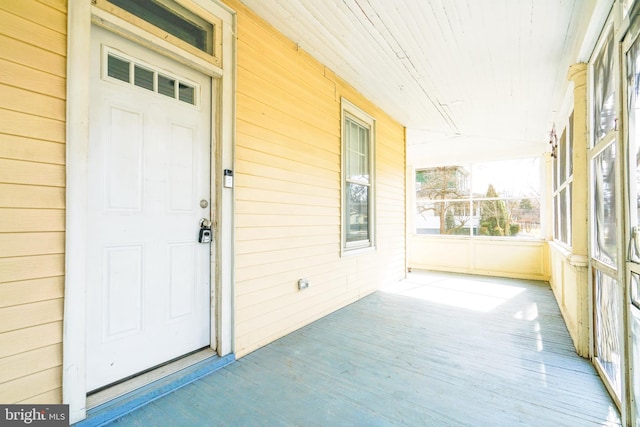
346,252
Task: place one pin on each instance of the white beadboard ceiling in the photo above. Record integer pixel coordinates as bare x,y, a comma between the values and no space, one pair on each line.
468,78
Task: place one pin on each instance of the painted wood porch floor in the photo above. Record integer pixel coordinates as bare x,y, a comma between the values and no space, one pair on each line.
437,349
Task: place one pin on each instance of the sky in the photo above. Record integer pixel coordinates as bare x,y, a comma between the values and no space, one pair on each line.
520,177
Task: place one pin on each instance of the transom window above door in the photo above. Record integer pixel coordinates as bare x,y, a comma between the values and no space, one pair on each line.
183,25
128,70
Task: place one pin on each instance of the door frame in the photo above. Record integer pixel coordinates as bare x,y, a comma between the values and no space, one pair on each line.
629,34
81,15
617,272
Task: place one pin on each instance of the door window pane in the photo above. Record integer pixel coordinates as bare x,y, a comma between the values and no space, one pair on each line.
186,93
604,90
166,86
147,77
118,68
605,206
143,77
607,328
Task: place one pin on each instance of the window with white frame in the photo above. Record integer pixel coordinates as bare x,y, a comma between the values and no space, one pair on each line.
498,198
358,182
562,185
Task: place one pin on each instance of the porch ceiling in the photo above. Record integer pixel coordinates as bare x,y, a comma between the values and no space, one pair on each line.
466,76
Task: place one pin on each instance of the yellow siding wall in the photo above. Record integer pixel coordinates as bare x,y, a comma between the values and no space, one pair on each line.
288,190
32,180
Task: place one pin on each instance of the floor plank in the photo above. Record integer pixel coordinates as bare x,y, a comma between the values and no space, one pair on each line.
437,349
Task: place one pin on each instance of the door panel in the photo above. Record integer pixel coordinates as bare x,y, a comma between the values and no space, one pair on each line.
608,328
148,278
606,247
606,263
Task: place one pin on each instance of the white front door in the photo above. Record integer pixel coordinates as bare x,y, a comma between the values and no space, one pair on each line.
148,290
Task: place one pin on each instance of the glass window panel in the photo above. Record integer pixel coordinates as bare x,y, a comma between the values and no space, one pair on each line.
186,93
494,217
607,328
364,150
556,217
143,77
456,219
525,218
439,208
352,164
566,220
357,212
508,217
352,169
182,23
562,158
446,182
166,86
357,186
510,178
604,90
428,217
446,218
605,206
118,68
563,215
633,85
569,159
357,152
555,177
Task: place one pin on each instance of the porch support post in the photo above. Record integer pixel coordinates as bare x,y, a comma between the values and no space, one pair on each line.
580,203
579,260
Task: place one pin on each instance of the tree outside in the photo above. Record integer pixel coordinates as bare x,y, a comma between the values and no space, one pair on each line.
439,191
